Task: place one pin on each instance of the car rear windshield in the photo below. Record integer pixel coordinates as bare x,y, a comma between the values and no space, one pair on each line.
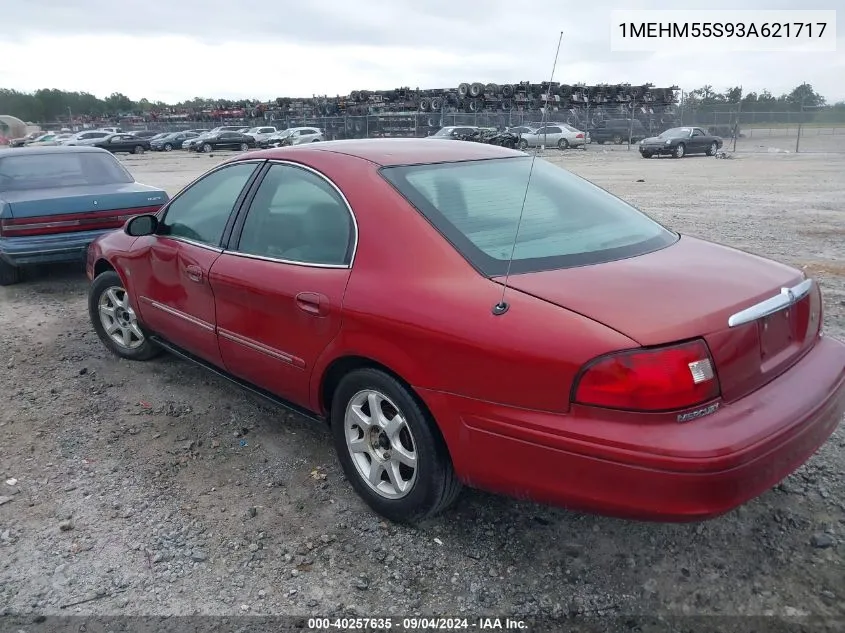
567,221
45,171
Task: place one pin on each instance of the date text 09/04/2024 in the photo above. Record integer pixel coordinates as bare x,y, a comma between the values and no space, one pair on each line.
417,624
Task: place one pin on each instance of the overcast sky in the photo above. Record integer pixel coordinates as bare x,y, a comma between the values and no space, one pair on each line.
178,49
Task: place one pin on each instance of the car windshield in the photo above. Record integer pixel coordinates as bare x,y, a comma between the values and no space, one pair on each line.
675,132
444,131
47,171
567,221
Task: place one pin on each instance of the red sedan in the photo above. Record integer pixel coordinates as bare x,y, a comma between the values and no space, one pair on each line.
557,345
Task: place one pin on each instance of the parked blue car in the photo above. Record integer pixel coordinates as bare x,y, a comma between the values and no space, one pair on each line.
54,201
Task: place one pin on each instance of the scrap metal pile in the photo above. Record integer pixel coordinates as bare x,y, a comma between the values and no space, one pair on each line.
575,100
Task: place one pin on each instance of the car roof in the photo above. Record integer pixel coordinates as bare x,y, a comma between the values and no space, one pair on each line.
60,149
388,152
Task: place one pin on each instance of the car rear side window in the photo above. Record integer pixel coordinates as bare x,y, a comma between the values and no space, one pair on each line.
297,216
567,221
201,211
72,169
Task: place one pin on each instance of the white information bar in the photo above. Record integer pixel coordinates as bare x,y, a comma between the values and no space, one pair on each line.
723,30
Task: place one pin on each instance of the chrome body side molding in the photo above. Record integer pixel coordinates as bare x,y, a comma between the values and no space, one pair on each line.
785,298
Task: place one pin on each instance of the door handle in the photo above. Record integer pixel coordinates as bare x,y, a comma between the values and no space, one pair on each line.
194,273
313,303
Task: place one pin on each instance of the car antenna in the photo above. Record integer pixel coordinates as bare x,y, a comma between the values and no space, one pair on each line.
502,307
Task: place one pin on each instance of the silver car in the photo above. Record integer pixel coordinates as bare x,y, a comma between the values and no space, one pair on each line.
295,136
558,135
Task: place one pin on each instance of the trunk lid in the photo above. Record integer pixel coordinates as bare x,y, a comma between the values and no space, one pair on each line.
71,209
689,290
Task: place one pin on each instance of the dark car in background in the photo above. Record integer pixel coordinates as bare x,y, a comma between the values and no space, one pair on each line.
617,131
55,200
677,142
224,140
171,141
124,142
147,134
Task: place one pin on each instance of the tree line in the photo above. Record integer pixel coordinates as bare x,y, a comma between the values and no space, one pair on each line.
50,104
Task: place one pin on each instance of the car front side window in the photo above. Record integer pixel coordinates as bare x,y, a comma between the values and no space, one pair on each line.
200,212
297,216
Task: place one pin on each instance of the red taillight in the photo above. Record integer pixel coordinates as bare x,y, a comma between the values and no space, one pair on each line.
661,379
70,222
579,136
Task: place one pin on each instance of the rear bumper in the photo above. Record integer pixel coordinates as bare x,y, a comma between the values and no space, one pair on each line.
682,472
45,249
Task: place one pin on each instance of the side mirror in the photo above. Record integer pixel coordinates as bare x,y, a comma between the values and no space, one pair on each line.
142,225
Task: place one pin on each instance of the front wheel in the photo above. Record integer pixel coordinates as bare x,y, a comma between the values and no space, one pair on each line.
115,321
168,147
617,139
680,150
646,154
563,144
390,449
714,147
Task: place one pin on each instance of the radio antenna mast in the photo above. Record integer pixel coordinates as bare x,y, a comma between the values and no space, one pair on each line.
502,307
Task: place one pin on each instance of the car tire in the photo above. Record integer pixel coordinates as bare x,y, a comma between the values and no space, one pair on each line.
207,148
431,484
168,147
679,151
523,144
714,147
646,154
563,144
108,307
617,139
316,140
244,147
9,275
138,150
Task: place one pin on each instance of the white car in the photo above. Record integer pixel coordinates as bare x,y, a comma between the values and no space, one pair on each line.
261,133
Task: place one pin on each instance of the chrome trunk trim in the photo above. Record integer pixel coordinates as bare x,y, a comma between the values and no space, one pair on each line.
785,298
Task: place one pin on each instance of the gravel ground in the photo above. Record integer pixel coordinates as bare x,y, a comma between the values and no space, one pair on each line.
155,488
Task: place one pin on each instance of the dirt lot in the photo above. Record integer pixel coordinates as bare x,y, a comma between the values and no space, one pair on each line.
154,488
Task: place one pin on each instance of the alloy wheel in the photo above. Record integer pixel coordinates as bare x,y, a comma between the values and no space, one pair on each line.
380,443
118,318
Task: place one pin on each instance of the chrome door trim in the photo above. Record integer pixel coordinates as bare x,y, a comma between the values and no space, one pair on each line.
785,298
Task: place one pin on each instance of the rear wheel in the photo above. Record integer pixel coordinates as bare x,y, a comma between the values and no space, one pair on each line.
138,150
390,448
168,147
523,144
563,144
617,138
714,147
115,320
9,275
646,154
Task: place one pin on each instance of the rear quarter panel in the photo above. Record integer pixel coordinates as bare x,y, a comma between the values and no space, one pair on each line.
416,306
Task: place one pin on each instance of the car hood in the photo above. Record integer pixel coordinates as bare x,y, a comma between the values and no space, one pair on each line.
656,140
685,290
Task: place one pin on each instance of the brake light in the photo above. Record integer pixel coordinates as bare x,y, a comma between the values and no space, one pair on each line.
662,379
579,136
